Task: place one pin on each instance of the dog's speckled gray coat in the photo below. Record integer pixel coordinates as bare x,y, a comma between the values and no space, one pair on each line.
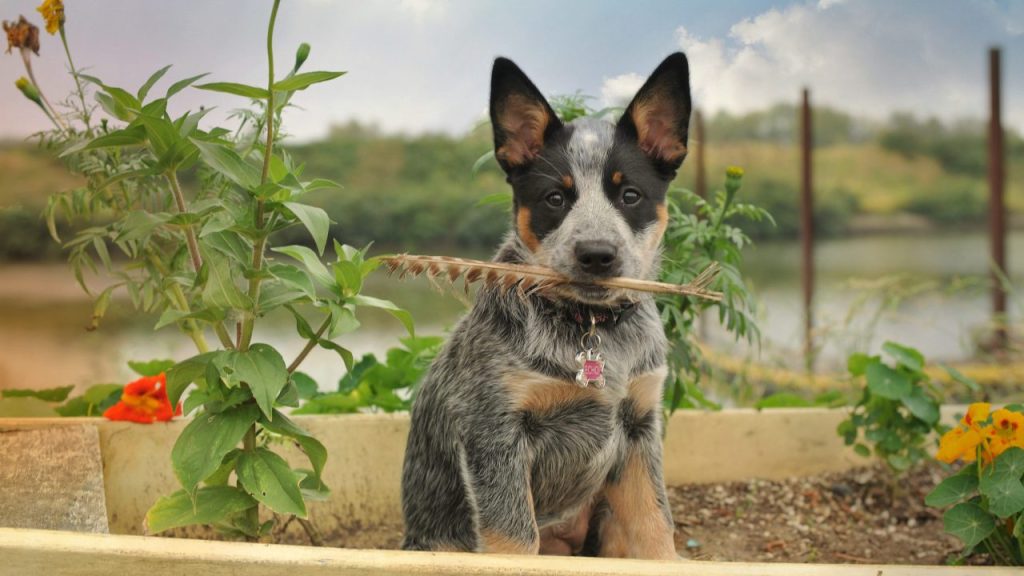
473,458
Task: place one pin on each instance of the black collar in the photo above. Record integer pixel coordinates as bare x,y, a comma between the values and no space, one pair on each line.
607,316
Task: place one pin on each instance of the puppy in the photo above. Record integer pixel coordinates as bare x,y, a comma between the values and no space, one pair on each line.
538,427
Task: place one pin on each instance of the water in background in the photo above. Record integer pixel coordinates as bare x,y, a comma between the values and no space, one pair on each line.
43,342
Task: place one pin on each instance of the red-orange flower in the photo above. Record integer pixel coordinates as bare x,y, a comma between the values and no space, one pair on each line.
144,401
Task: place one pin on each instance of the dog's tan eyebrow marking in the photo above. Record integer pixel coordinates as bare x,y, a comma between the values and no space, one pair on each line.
567,182
525,232
616,177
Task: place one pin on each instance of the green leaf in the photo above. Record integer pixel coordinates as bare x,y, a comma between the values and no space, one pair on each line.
886,382
202,445
220,290
144,89
349,276
862,450
343,320
958,376
310,446
186,372
782,400
26,407
130,136
403,316
150,368
503,199
58,394
268,478
1002,483
310,260
223,159
93,402
182,84
956,488
858,363
305,384
921,405
481,161
264,370
315,220
291,276
345,353
968,522
304,80
254,92
208,505
905,356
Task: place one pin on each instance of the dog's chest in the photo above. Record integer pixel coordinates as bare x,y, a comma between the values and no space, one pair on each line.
577,436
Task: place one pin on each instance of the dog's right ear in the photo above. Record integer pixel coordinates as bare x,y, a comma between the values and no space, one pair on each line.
520,116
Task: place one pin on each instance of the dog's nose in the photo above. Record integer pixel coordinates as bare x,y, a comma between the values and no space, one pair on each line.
597,257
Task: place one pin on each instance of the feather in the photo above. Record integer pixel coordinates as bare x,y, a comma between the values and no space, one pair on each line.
527,280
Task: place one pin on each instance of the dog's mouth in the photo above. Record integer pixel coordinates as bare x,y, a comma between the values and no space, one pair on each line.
591,293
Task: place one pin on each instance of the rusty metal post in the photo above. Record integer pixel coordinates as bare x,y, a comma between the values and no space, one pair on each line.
700,183
996,205
807,227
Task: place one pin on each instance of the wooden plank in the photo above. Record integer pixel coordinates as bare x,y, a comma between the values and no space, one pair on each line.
45,552
52,478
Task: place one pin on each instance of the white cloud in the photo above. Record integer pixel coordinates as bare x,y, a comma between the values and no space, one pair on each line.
866,57
619,90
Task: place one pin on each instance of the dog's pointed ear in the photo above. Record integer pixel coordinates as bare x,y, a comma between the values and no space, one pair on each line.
658,118
520,116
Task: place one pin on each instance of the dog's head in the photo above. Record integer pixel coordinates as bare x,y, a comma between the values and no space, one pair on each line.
589,196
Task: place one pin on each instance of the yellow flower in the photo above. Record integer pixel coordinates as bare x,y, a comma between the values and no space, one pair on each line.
959,443
53,13
976,414
1007,431
22,34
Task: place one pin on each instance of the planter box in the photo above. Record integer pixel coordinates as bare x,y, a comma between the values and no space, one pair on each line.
364,470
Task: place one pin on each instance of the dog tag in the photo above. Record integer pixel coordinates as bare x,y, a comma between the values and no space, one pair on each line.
591,372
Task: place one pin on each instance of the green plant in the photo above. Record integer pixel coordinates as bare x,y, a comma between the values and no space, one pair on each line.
387,386
898,408
200,259
986,495
699,233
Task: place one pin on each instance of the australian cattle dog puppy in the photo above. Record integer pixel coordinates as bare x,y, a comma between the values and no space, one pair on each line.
538,427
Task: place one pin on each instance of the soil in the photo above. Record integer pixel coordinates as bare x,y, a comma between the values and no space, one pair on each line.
856,516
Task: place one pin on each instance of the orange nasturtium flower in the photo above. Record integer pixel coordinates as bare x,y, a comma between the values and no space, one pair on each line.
144,401
53,13
1007,431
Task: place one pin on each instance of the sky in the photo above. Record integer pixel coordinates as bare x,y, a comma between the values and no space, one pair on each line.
419,66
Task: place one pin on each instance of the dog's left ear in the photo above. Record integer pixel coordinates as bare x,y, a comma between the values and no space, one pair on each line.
658,118
520,116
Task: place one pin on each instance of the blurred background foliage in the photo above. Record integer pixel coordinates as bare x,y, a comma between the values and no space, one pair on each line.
418,193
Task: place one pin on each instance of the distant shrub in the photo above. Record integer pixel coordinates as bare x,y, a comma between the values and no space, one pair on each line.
832,211
953,202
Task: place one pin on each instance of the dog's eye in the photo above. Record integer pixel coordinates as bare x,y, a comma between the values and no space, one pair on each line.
555,199
631,196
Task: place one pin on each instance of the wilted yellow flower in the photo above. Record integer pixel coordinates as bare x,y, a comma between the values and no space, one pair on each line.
53,14
22,34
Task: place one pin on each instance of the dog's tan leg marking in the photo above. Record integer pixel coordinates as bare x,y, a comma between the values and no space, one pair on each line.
525,232
532,392
495,543
637,527
646,390
567,538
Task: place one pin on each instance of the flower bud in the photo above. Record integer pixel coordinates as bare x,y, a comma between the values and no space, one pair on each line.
29,90
733,179
300,56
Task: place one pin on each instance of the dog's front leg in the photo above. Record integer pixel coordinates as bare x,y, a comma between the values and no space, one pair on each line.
497,475
639,521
